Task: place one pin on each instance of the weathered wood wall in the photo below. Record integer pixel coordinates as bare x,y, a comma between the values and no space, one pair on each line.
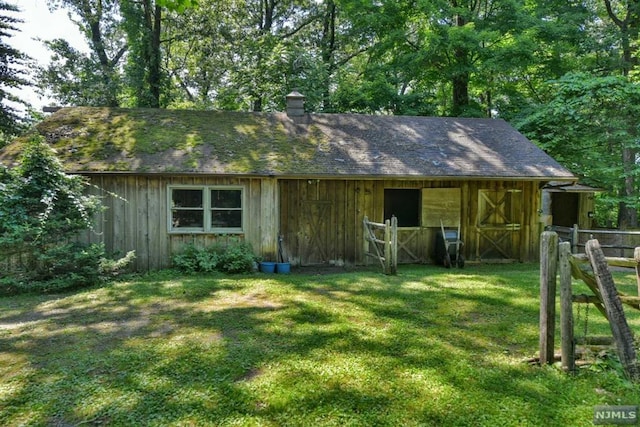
320,220
136,217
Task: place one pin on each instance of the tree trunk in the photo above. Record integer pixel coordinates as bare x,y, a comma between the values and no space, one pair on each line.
460,80
155,72
460,93
628,215
328,49
94,18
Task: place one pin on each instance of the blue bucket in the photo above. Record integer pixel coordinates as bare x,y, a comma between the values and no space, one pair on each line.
283,267
268,267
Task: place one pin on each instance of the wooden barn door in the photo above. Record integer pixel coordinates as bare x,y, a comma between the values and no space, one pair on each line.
316,244
498,226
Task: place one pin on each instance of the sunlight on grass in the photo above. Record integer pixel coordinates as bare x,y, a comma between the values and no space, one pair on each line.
426,347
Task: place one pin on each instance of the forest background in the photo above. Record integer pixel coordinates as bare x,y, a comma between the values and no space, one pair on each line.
565,73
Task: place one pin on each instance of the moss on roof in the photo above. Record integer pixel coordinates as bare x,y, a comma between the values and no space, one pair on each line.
156,140
94,139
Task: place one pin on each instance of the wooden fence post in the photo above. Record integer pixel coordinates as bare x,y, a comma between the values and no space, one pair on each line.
548,272
394,244
619,327
574,239
636,256
365,244
566,309
387,247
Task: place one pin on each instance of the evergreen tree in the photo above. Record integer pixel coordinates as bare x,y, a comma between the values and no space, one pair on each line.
12,73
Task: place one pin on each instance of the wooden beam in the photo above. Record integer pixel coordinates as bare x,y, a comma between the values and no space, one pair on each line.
636,256
617,320
566,309
548,272
612,261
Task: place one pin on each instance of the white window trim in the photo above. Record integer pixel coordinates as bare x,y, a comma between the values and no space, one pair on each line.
207,208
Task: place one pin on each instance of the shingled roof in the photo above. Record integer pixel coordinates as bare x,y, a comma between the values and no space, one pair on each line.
107,140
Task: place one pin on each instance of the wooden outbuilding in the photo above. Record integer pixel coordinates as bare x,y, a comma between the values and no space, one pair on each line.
173,177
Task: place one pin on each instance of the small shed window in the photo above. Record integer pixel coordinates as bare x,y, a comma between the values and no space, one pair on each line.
226,208
206,209
404,204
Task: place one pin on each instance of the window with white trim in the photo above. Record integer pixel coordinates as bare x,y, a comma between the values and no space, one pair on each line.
206,209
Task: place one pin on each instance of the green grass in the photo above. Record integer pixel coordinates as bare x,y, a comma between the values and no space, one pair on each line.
427,347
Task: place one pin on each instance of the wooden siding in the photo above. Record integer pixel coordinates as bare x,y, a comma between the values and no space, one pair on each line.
347,202
320,220
136,217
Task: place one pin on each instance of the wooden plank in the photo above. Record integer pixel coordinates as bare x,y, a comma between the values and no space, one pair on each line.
566,309
441,204
586,299
351,224
269,218
466,219
548,271
387,248
612,261
617,320
159,244
590,281
340,221
636,256
394,245
254,215
141,245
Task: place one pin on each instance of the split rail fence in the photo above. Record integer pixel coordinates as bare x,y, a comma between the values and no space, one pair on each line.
613,242
593,269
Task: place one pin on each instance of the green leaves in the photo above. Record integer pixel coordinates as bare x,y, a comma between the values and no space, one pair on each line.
590,124
12,74
42,209
177,5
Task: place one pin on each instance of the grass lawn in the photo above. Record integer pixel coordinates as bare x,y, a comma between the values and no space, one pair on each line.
426,347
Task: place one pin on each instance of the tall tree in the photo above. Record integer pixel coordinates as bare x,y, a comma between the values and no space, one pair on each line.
12,74
124,64
95,79
143,23
243,54
625,15
589,125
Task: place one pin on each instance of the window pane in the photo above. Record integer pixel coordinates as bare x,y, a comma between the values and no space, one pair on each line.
226,198
404,204
187,198
187,219
226,219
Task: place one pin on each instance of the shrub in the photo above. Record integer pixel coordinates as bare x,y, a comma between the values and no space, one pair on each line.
42,209
192,259
236,257
62,267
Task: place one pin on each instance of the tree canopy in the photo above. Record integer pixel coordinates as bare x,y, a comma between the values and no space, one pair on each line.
12,73
515,59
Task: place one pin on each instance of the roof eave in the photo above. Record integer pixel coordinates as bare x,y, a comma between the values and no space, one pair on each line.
568,179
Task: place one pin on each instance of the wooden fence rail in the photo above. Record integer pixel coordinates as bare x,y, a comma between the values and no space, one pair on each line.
612,241
385,247
609,301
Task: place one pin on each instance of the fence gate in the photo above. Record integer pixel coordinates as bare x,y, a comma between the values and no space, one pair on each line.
381,242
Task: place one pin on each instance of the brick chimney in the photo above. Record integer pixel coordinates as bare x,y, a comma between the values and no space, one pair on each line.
295,104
